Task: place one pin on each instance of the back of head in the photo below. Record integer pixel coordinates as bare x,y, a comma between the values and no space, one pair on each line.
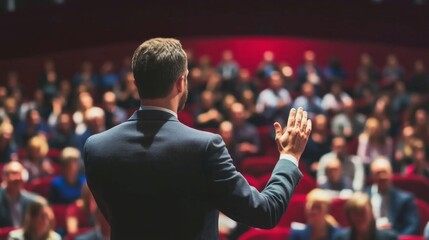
157,64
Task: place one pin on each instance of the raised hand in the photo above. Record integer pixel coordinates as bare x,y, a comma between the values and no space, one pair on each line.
293,138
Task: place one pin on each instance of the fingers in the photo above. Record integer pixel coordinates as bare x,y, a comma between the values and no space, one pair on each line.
291,120
304,121
308,129
298,118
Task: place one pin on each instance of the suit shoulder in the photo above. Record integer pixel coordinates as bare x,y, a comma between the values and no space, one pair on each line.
33,197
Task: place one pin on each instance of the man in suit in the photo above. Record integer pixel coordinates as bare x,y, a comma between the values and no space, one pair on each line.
393,208
155,178
13,199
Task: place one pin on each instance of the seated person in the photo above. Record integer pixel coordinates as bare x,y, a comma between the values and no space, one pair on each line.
66,188
420,164
14,200
39,224
351,165
207,115
393,209
38,164
81,214
362,223
100,232
336,182
320,225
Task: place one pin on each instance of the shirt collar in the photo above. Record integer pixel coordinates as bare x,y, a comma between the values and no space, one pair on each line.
159,109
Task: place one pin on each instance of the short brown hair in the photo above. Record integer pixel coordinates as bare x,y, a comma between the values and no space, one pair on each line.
157,64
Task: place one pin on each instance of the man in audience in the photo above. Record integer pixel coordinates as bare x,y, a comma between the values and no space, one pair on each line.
7,145
14,200
64,134
228,69
112,112
95,123
308,100
245,135
310,72
392,207
336,182
351,165
349,123
207,116
275,101
32,126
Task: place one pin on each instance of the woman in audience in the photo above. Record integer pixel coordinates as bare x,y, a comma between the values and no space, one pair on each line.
85,102
38,164
404,149
38,224
420,164
420,122
66,188
7,146
373,142
320,225
81,214
362,222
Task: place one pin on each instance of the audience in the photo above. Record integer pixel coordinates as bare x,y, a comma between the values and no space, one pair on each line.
39,224
14,200
60,114
320,225
393,209
360,215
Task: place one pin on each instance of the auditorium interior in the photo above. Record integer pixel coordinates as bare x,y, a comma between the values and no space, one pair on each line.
359,67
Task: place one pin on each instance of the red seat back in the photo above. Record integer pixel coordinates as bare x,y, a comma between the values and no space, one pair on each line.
41,186
60,215
4,232
416,185
277,233
295,211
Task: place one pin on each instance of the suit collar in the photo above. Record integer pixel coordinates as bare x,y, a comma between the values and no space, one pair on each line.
152,115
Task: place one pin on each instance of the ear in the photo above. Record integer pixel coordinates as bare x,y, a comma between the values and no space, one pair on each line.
180,84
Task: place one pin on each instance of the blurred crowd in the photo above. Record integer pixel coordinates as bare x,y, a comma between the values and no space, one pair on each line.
375,112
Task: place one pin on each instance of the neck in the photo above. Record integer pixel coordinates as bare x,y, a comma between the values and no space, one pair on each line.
161,102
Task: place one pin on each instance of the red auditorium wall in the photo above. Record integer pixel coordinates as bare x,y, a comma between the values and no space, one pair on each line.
247,50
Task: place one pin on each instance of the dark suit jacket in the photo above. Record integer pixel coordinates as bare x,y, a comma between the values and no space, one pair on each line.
155,178
403,212
25,200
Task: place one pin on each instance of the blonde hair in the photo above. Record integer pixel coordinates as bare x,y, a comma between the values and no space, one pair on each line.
69,154
321,196
357,201
39,142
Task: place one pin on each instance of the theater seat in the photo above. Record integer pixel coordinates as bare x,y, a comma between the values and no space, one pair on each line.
411,238
337,210
277,233
258,166
423,210
41,186
419,186
268,145
60,215
306,184
295,211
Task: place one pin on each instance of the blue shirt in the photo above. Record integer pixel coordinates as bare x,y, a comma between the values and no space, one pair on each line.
63,193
